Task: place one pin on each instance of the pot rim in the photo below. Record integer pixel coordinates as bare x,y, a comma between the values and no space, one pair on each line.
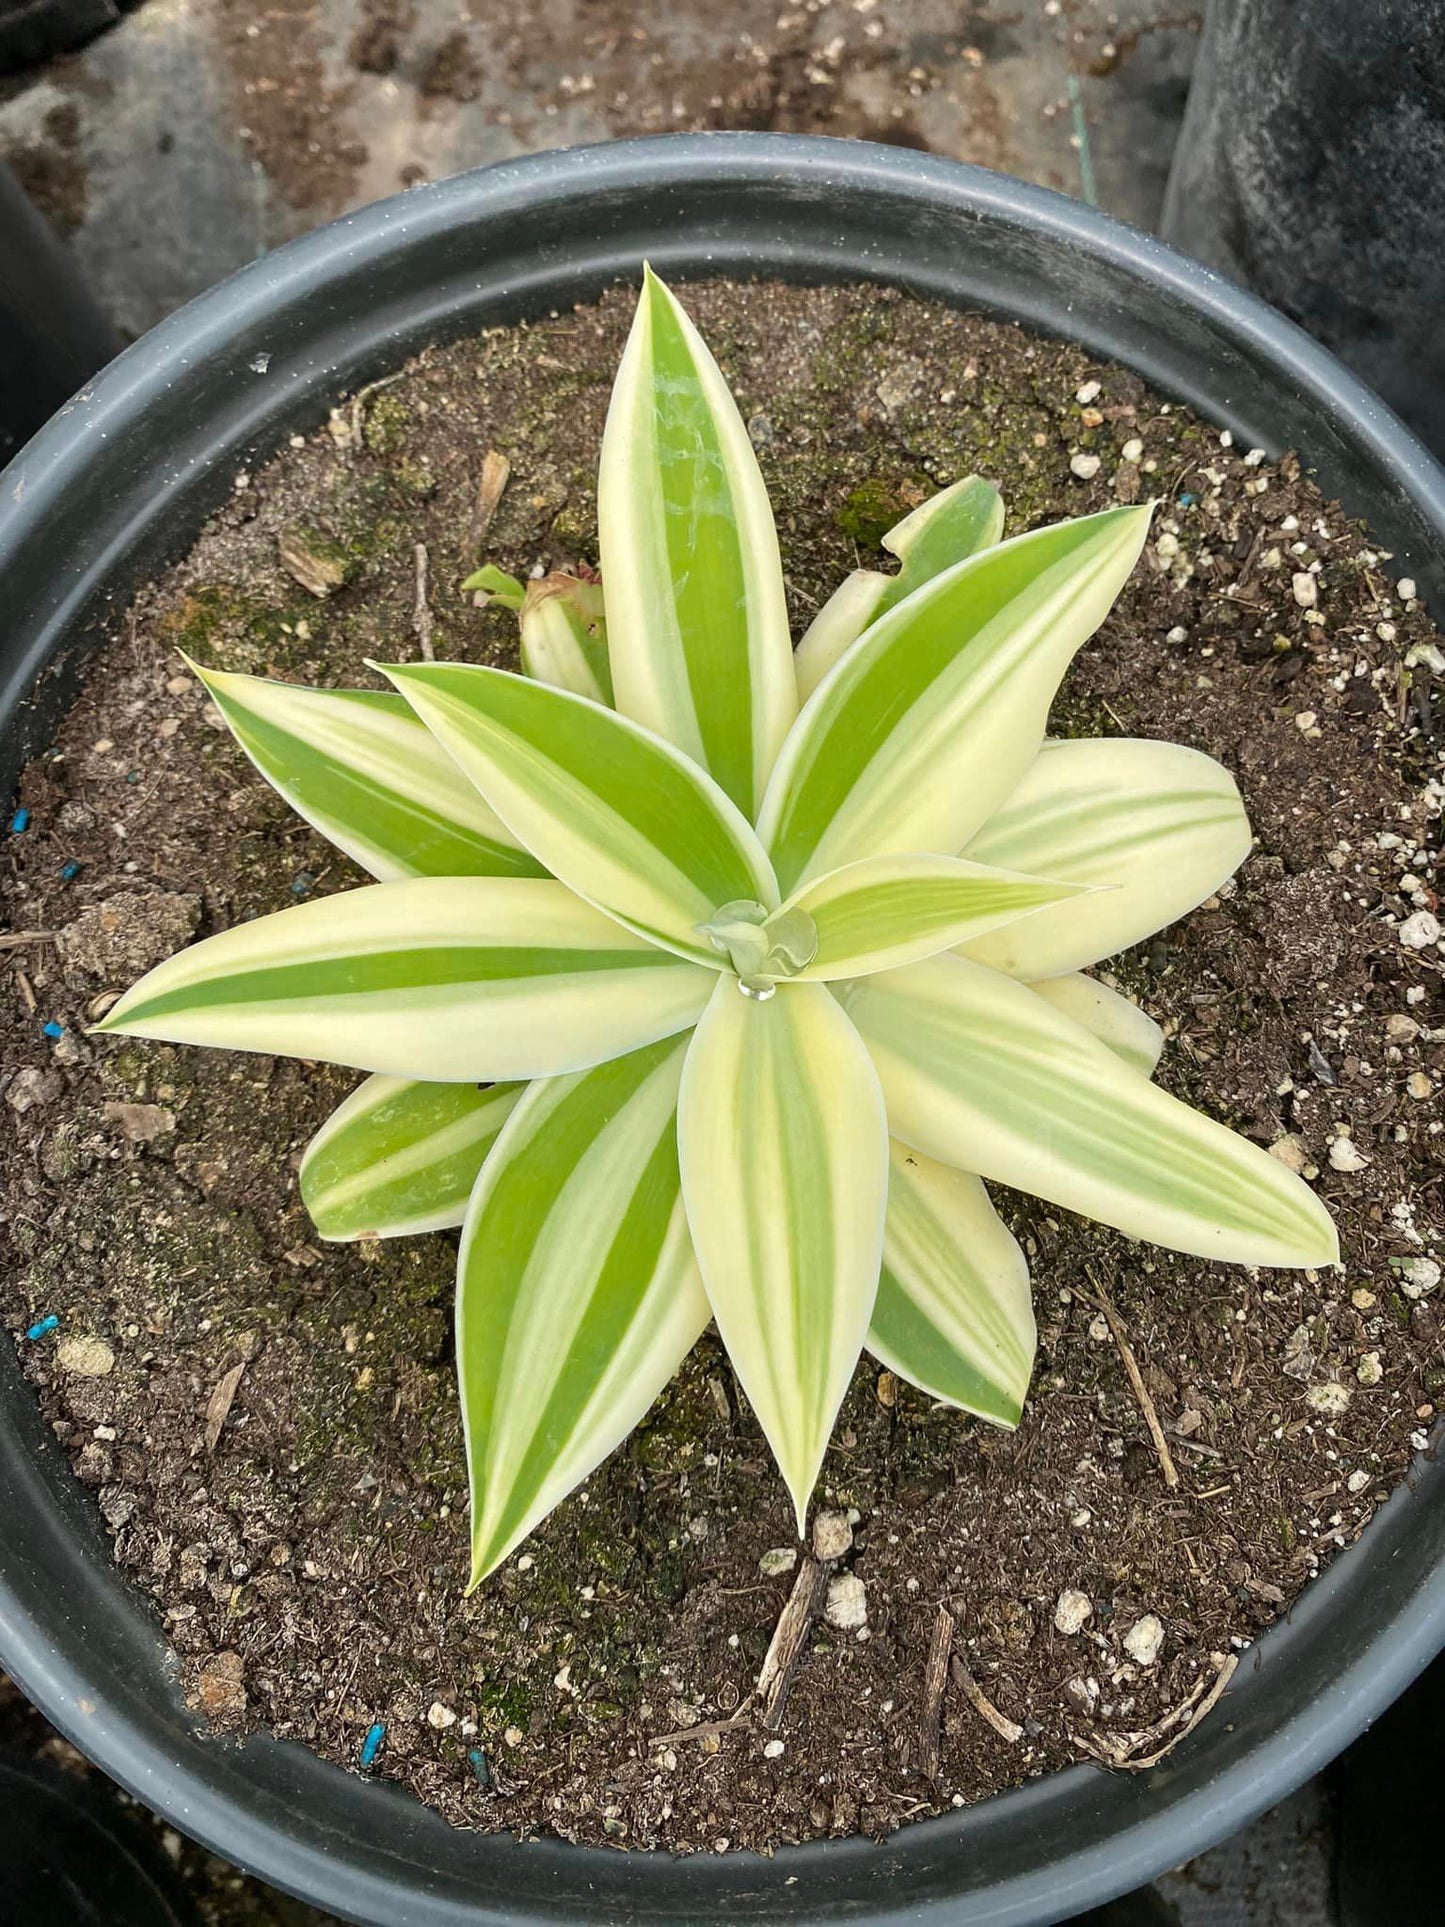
74,1632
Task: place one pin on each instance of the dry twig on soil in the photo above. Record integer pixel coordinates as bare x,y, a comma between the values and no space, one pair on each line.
786,1647
935,1678
1136,1379
1122,1749
1006,1728
422,616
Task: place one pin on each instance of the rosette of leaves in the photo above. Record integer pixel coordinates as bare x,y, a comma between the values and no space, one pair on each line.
703,981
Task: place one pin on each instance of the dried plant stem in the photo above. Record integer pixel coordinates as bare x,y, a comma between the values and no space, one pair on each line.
702,1731
422,616
1136,1380
1006,1729
1122,1749
935,1679
786,1647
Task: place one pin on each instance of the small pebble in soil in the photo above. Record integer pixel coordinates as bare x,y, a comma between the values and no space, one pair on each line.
1305,589
85,1355
221,1686
778,1560
1330,1399
1419,1085
1086,467
1073,1608
847,1606
1421,1275
1420,930
32,1089
773,1750
1357,1481
832,1535
440,1716
1345,1155
1145,1639
1370,1371
1291,1152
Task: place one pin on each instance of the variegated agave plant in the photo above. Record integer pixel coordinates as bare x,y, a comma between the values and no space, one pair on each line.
767,966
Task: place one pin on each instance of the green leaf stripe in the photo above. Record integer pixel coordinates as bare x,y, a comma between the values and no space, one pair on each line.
948,528
892,910
696,611
928,723
954,1314
978,1071
578,1294
445,979
399,1157
361,769
618,814
783,1144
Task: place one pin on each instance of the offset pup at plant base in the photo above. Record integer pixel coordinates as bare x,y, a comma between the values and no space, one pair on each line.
768,968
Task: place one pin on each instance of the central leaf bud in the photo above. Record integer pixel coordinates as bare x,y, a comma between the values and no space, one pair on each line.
762,947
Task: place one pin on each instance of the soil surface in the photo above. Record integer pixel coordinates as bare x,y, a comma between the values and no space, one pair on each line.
270,1426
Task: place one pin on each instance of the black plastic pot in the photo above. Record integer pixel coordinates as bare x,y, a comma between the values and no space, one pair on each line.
119,484
1311,167
52,333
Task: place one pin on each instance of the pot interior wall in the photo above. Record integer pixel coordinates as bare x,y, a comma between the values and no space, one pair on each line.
120,483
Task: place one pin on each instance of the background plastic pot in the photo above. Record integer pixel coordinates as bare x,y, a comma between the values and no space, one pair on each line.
52,334
118,485
1311,166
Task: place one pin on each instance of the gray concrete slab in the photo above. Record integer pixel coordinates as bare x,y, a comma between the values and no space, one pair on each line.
200,133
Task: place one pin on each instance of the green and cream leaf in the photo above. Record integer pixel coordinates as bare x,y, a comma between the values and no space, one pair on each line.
451,979
696,613
564,636
957,522
398,1157
928,723
892,910
1162,825
619,815
954,1314
979,1072
784,1152
577,1292
361,769
1130,1033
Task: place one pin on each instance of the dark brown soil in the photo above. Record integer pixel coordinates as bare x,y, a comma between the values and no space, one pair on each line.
310,1568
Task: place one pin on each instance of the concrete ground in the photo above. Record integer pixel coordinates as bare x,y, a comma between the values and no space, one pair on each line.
200,133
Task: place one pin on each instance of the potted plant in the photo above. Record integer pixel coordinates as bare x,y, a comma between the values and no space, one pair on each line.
218,387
